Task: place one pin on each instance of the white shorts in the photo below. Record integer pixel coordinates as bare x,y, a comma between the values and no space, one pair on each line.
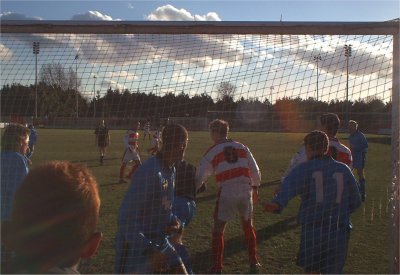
130,155
229,206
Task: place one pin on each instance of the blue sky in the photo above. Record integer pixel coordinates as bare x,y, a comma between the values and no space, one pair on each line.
225,10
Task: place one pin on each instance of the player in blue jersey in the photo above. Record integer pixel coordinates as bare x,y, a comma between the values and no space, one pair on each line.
32,140
14,168
358,147
184,206
329,194
146,220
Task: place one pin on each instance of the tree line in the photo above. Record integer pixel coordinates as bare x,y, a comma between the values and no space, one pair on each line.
57,96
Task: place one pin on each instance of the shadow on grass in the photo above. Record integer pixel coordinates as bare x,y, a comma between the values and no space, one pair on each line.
214,196
237,244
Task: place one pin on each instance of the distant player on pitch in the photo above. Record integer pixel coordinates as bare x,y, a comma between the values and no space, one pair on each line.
146,130
131,153
329,194
358,147
102,139
238,178
155,143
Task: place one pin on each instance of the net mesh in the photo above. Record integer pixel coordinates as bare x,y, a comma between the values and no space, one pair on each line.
271,89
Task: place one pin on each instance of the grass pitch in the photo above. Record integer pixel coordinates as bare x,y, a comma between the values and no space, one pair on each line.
278,235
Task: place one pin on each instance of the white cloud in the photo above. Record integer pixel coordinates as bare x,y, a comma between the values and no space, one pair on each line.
92,16
122,75
8,15
5,53
170,13
181,77
130,6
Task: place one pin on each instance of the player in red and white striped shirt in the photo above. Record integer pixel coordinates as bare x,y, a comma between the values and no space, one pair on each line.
238,177
328,123
131,152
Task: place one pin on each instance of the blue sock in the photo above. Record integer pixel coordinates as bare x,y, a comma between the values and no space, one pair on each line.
362,189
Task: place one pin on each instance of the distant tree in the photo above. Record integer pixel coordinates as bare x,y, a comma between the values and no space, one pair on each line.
57,76
226,91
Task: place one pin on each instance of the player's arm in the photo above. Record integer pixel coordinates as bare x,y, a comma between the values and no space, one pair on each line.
292,185
203,171
255,174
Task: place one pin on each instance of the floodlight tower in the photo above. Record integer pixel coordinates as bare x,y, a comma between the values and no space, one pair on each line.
36,49
317,59
347,54
94,95
76,84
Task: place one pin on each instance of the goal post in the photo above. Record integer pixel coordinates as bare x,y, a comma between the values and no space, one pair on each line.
261,76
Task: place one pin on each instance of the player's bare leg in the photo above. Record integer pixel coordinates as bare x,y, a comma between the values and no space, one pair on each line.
102,151
218,246
251,243
121,173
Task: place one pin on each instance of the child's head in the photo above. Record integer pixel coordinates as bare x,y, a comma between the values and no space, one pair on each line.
352,126
316,144
54,217
330,123
218,129
15,138
174,139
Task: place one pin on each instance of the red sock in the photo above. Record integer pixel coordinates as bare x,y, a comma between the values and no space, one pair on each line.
218,249
251,242
121,172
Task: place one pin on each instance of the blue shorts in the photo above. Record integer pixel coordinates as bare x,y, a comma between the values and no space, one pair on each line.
184,209
323,249
359,160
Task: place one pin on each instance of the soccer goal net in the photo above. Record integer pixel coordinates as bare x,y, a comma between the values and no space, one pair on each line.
270,81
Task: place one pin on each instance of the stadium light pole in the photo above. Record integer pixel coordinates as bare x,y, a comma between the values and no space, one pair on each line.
347,54
94,95
317,58
76,84
36,49
271,91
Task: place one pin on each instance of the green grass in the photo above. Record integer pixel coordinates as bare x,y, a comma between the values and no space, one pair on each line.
278,235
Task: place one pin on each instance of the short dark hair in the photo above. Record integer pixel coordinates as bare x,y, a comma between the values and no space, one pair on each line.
13,133
330,122
173,135
219,126
317,140
55,212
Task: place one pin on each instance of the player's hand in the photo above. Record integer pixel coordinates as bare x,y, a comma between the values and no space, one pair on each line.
271,207
175,227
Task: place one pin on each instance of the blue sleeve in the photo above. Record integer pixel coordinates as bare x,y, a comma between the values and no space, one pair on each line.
354,193
364,143
133,205
12,174
292,185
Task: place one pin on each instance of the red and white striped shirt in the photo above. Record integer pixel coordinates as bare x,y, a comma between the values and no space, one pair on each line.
131,138
337,150
232,163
